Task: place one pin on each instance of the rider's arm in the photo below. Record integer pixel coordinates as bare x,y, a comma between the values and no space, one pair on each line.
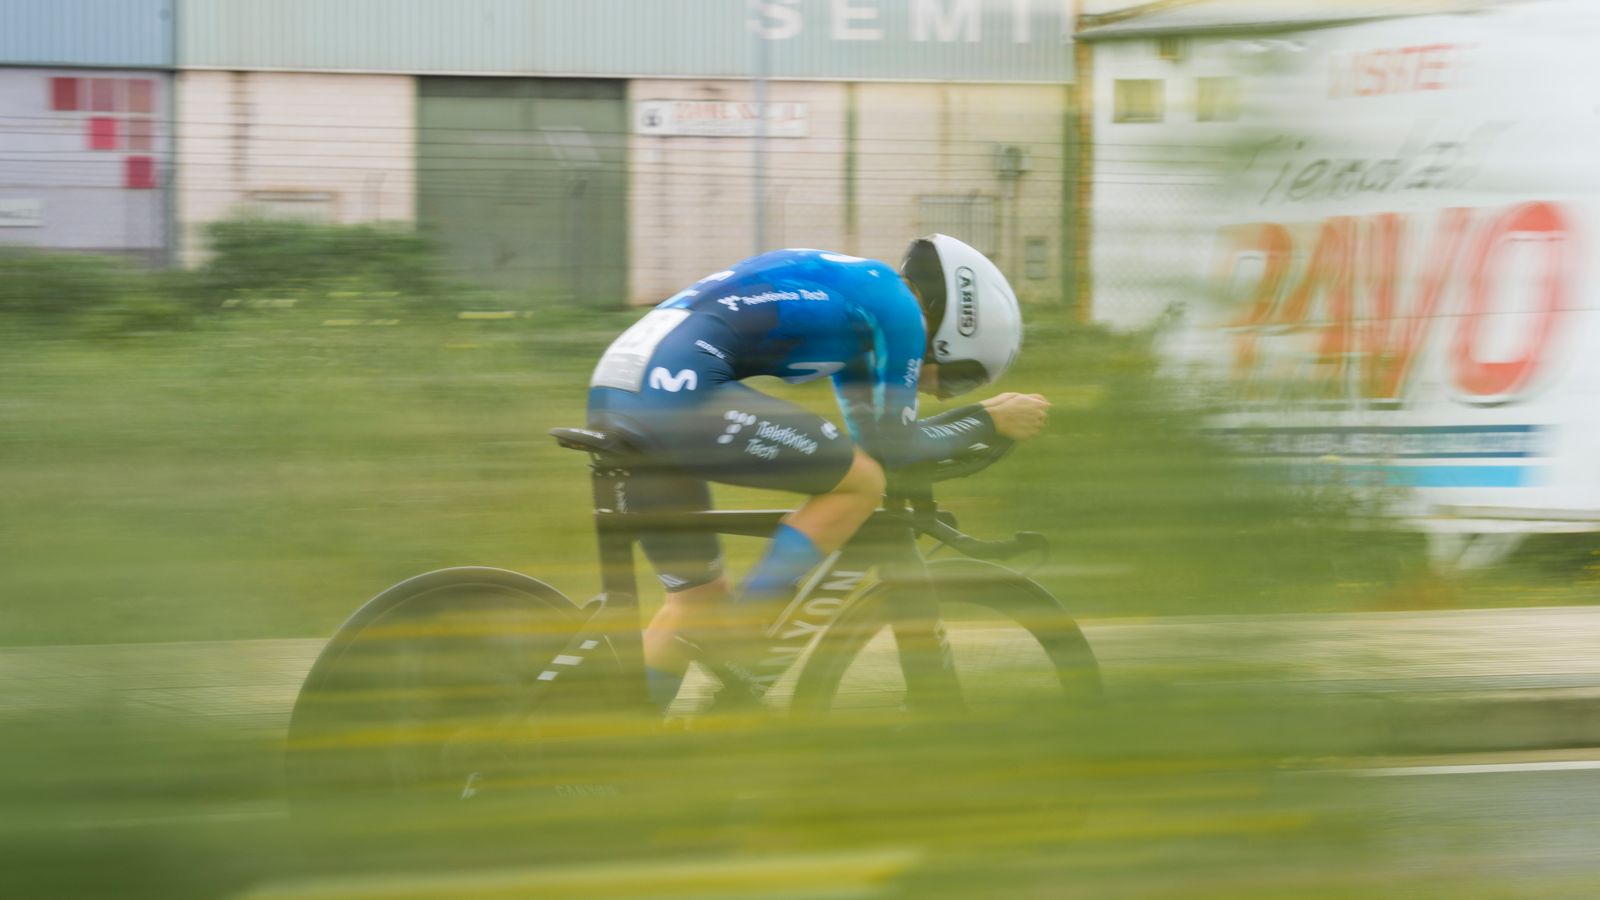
955,430
879,400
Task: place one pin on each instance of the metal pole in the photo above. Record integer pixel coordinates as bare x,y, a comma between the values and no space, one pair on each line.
763,65
172,237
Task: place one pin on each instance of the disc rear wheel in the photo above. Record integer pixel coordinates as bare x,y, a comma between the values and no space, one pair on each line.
426,696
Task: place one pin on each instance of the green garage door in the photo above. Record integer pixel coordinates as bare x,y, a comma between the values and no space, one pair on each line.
522,183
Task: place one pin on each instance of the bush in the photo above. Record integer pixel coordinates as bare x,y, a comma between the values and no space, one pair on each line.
316,263
341,271
57,286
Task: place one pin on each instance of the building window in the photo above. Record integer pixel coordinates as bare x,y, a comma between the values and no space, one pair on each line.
139,173
1216,99
1139,100
141,96
65,94
103,133
1172,48
103,95
970,217
1036,259
141,135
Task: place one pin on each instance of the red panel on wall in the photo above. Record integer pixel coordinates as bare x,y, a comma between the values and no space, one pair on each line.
103,94
141,96
141,135
139,173
66,94
102,133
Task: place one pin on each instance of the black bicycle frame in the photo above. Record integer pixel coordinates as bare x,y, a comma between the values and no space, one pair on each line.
886,542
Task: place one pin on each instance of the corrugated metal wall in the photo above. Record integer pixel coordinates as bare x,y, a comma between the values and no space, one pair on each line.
85,161
936,40
125,33
523,183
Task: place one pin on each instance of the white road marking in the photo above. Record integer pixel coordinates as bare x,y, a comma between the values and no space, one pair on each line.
564,660
548,675
1483,768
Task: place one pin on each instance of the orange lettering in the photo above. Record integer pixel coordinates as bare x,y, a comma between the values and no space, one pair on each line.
1541,222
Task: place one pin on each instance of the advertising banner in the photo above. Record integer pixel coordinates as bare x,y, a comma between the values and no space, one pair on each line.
1405,284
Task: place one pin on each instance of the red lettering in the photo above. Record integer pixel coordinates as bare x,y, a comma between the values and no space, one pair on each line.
1431,61
1532,222
1393,71
1350,296
1403,70
1391,340
1273,244
1328,274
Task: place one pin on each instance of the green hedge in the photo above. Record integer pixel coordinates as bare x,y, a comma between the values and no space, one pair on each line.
368,271
49,286
314,261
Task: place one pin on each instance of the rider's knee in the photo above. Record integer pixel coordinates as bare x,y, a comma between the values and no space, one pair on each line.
712,593
864,480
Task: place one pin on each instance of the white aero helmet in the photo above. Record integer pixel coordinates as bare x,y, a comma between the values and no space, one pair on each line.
974,322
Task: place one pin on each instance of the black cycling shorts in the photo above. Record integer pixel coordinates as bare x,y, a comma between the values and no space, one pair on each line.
730,434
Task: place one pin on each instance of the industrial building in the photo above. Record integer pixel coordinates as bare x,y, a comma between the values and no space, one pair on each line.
602,152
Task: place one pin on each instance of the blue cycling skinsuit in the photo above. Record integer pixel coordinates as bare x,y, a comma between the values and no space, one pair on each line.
671,384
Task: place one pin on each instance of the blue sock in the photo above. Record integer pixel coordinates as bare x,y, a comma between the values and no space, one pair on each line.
790,556
663,686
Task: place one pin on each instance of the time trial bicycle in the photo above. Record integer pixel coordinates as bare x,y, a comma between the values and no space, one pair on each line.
460,679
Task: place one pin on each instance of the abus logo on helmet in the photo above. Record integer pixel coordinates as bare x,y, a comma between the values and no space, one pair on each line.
967,290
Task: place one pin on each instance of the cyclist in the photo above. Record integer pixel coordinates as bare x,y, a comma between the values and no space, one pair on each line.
946,323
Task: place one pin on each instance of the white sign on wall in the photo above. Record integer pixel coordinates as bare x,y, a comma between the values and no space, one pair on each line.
23,212
1405,293
718,118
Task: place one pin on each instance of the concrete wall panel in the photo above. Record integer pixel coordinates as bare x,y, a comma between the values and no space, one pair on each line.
337,148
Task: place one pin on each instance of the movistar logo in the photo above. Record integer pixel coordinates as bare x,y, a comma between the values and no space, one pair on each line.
967,297
661,379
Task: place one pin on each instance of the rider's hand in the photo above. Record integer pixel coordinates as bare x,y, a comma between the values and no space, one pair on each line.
1018,416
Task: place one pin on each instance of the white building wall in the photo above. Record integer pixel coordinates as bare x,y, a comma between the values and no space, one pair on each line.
923,148
1156,185
84,158
337,148
691,199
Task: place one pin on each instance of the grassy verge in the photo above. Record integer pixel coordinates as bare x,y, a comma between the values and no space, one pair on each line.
262,476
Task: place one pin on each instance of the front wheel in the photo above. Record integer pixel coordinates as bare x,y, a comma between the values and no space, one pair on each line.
1012,645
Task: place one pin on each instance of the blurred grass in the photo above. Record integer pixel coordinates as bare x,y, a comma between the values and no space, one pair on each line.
263,475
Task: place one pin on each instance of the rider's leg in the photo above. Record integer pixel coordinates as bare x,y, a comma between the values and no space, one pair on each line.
689,564
667,660
820,526
736,435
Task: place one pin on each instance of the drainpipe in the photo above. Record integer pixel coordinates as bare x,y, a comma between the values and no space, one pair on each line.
172,237
1083,201
763,65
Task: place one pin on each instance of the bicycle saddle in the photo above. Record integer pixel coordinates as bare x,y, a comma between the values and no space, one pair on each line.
606,443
